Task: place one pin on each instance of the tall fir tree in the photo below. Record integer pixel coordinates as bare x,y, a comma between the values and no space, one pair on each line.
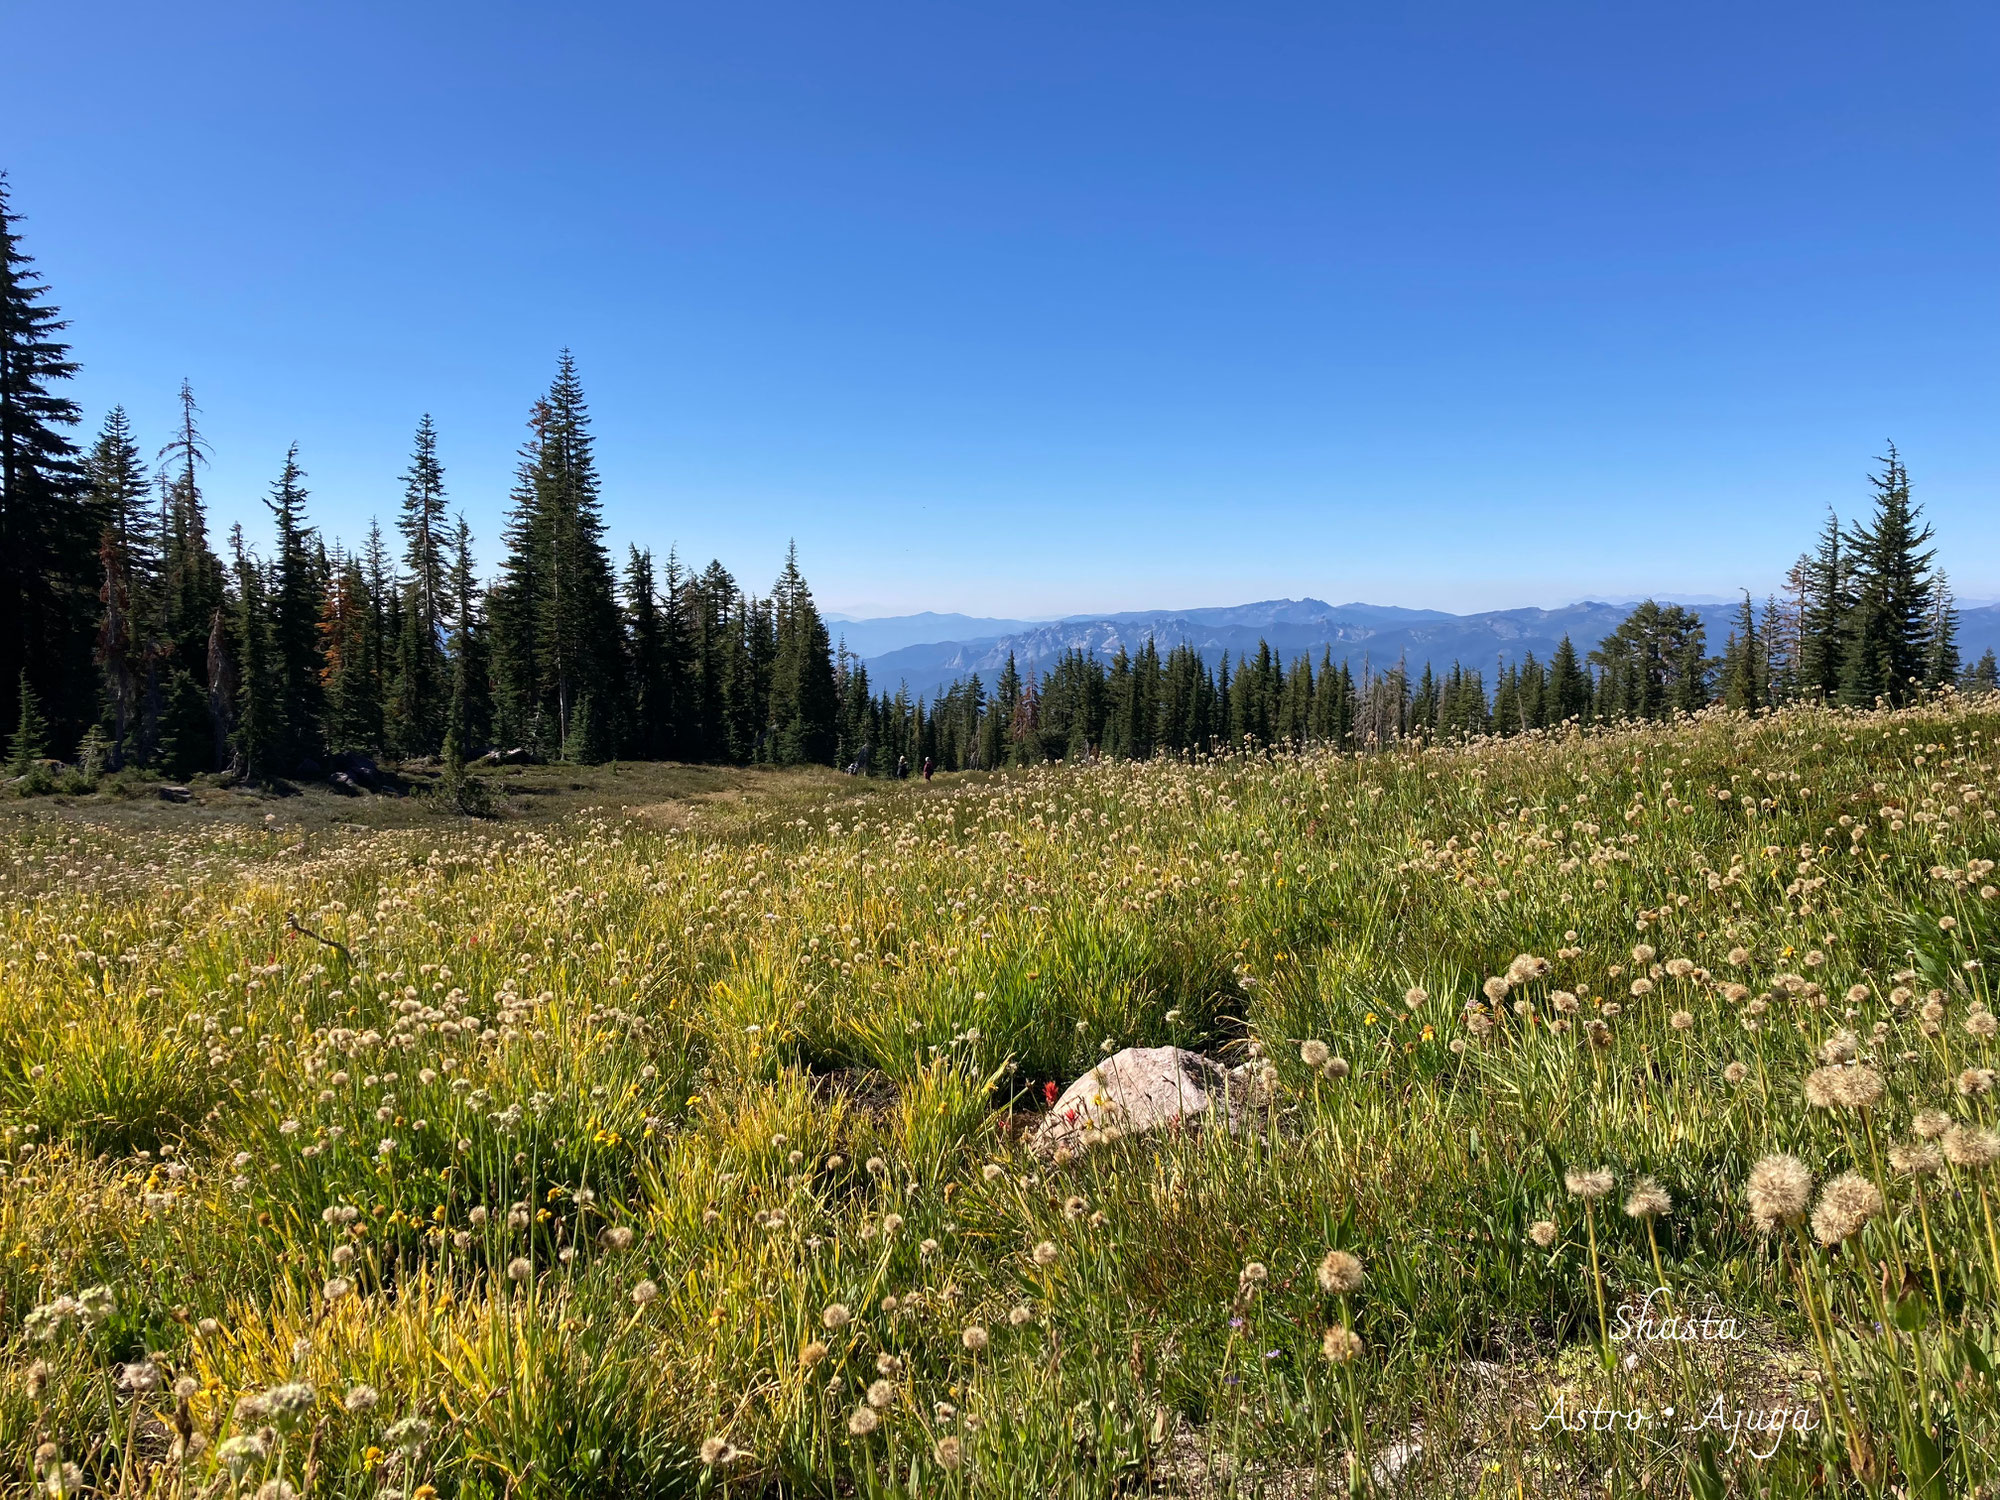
49,569
297,583
260,720
1884,648
469,718
30,740
193,588
128,564
651,711
1941,659
421,686
805,703
1569,685
1820,583
555,614
353,701
1744,670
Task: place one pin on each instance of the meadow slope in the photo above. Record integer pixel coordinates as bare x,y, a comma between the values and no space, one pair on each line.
633,1155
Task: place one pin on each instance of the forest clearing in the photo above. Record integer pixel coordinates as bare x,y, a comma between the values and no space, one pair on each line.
623,1154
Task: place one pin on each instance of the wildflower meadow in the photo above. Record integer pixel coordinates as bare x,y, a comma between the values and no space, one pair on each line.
1625,1124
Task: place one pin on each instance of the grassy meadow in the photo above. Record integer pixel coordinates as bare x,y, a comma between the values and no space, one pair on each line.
677,1147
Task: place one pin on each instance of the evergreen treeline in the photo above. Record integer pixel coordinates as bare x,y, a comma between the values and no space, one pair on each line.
1865,619
125,635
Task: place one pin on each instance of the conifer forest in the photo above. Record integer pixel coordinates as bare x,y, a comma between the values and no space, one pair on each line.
1229,1078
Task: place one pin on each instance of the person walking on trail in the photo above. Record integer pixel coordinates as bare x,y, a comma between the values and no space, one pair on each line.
902,768
927,768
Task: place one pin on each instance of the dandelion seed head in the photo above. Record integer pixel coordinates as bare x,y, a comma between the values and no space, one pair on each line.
1340,1273
1648,1200
1594,1182
1930,1124
1542,1232
1340,1345
1779,1189
1915,1159
1845,1205
1970,1146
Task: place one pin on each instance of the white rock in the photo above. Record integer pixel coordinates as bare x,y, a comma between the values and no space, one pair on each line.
1390,1463
1144,1089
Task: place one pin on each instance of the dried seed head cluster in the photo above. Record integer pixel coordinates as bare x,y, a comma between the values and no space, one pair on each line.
1780,1192
1339,1273
1594,1182
1845,1205
1648,1200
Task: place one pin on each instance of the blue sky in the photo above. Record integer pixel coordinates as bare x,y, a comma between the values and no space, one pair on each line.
1032,309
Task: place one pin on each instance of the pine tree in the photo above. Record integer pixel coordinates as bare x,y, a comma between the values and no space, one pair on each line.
192,590
222,686
128,564
1885,646
470,717
1941,662
1653,664
805,704
1821,588
296,587
650,719
30,740
48,536
554,612
186,744
1781,650
1985,675
353,704
260,690
419,705
1744,670
997,742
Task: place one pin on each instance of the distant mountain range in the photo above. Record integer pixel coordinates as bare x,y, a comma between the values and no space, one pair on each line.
903,649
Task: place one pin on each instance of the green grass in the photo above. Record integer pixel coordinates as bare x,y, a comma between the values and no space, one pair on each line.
789,1030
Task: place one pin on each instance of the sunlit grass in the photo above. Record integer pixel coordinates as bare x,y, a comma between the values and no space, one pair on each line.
543,1162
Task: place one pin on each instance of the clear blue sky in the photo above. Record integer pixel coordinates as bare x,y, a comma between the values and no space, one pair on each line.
1029,308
